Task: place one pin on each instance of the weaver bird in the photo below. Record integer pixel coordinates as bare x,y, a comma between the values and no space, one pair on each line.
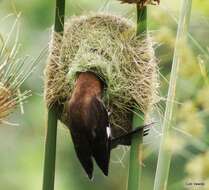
89,124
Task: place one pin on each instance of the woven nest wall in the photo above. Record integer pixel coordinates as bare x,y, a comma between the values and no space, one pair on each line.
107,46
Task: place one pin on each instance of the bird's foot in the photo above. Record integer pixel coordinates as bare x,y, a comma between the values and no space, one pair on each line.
126,138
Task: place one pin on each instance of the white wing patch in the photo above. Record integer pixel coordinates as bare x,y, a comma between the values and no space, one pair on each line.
108,130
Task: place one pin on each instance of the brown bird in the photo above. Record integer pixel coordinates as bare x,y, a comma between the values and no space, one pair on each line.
141,2
89,124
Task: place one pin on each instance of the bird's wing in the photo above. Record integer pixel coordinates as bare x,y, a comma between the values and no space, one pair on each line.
82,147
100,145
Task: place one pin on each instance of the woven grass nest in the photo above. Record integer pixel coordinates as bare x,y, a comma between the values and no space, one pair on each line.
107,46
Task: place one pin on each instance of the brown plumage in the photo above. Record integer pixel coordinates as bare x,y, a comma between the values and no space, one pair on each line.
86,87
88,121
89,124
141,2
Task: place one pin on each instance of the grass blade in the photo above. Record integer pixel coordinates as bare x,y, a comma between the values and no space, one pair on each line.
165,153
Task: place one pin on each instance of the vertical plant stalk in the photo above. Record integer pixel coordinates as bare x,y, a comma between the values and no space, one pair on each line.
165,152
51,133
135,163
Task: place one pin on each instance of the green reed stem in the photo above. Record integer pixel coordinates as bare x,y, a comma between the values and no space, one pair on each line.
135,163
50,151
165,153
51,134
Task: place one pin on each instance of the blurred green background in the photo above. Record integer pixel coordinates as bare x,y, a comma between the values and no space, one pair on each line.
22,147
